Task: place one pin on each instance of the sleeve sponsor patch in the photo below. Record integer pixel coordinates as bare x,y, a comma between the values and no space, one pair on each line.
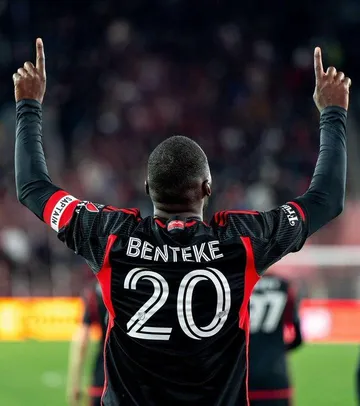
290,214
89,206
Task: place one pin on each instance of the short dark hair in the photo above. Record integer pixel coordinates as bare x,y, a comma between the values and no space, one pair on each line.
176,168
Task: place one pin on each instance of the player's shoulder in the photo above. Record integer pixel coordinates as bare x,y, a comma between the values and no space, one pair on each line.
221,218
259,224
119,220
234,223
131,213
106,219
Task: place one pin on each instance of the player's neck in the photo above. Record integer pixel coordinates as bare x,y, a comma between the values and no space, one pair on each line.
167,213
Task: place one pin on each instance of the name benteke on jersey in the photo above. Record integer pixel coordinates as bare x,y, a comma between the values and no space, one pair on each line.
204,252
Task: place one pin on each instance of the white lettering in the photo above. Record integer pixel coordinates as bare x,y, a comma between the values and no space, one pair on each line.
186,254
290,214
147,247
205,252
213,250
175,250
133,247
58,211
200,253
164,255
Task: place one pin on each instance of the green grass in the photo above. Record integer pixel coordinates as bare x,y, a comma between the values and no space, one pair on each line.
34,373
324,375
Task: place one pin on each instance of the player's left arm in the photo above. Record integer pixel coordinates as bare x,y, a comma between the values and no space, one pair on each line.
278,232
292,319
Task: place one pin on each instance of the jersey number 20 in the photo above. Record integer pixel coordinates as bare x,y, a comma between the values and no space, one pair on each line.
136,325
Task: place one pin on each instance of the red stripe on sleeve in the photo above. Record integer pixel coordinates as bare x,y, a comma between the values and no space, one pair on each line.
59,209
221,216
299,209
51,203
68,213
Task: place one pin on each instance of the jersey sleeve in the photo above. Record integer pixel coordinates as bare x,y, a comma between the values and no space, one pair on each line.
85,227
273,234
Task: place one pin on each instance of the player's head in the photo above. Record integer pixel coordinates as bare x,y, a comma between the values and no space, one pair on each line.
179,178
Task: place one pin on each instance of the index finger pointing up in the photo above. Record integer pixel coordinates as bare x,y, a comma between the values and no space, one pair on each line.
40,57
318,65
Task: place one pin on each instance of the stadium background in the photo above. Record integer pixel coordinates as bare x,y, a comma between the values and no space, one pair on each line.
235,76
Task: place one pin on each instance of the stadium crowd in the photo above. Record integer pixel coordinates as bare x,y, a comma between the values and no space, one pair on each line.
119,84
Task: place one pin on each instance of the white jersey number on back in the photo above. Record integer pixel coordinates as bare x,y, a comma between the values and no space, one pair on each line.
136,325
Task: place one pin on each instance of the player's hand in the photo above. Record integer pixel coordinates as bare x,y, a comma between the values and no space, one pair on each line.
30,80
332,87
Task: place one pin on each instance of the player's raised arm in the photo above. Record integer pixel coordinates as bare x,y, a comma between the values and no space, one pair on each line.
278,232
77,222
324,200
33,184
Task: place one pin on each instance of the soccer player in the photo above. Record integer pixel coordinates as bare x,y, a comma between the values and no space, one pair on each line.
177,289
94,313
273,307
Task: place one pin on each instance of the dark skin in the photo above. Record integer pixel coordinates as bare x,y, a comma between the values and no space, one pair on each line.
191,209
331,89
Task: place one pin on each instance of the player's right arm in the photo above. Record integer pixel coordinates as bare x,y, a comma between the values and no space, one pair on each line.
83,226
276,233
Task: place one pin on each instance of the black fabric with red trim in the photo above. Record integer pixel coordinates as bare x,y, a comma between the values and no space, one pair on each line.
87,232
95,231
273,234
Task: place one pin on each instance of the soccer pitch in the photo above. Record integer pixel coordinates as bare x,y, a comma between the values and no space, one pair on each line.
34,373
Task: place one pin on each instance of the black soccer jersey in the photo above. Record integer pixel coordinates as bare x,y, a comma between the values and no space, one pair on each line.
273,307
177,293
95,313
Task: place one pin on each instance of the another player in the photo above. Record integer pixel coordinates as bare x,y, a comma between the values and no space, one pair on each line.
177,289
273,307
94,313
